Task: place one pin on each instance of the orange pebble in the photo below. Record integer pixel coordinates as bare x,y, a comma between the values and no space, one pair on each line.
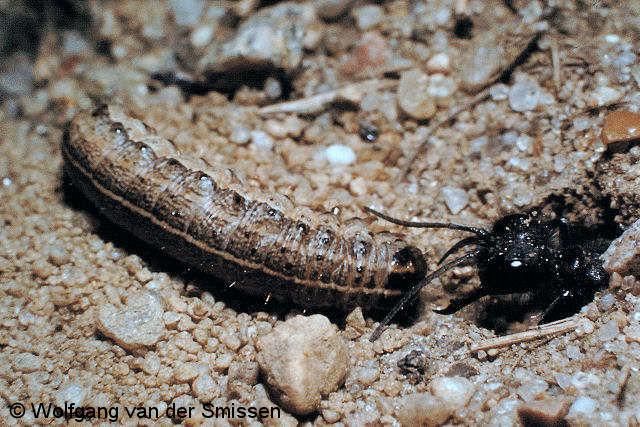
620,129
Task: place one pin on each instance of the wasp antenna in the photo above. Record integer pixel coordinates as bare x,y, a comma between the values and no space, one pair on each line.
481,232
468,257
473,240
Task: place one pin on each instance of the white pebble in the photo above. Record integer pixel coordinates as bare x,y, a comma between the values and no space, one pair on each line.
478,143
186,12
510,137
612,38
563,380
201,36
532,389
524,143
338,154
573,352
608,331
581,123
422,409
441,86
454,391
499,92
368,16
358,187
439,63
71,393
606,302
604,95
240,135
261,139
624,59
455,198
414,97
524,95
582,406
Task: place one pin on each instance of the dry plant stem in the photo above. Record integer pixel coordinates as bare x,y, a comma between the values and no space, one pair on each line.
538,332
314,104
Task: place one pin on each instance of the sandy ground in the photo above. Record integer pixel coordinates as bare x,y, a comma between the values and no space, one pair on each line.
92,316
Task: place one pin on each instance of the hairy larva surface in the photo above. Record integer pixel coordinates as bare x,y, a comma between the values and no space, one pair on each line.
203,216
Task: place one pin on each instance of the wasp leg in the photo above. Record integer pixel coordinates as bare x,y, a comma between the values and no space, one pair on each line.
459,303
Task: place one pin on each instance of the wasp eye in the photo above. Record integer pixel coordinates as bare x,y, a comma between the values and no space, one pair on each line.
516,263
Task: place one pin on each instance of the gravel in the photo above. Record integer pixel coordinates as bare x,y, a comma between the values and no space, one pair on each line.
89,316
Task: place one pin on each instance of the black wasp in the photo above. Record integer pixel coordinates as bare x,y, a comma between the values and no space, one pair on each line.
553,261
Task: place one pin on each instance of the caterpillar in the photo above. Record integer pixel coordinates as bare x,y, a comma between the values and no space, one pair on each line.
205,217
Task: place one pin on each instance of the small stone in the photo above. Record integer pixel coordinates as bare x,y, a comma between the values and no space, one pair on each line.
439,63
612,38
338,154
303,360
201,36
608,331
603,95
524,95
620,129
330,416
422,409
441,88
273,37
455,198
461,369
413,95
368,16
358,186
623,255
26,363
478,66
547,412
499,92
240,135
582,123
205,387
532,389
582,406
370,52
477,144
605,303
139,324
273,89
573,352
185,372
355,319
455,392
330,9
71,393
187,12
632,333
262,140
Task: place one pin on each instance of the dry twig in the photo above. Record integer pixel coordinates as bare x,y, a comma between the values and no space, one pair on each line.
554,328
316,103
